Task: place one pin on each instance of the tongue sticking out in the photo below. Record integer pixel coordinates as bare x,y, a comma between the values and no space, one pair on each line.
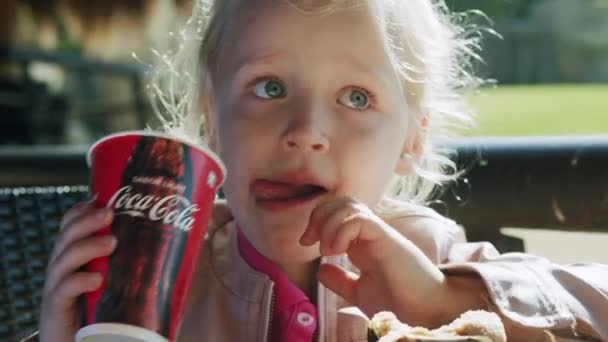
277,191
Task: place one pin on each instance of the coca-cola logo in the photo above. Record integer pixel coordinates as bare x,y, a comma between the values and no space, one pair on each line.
155,208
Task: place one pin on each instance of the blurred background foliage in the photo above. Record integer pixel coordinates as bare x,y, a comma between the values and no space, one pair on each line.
550,64
545,41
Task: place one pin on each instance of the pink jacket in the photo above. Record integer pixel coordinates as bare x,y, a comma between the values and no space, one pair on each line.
231,302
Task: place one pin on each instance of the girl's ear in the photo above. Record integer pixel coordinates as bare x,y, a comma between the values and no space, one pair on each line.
413,149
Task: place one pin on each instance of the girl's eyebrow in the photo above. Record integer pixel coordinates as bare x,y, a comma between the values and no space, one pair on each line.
378,75
247,61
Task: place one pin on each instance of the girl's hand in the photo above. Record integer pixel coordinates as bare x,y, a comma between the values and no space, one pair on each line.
395,274
60,315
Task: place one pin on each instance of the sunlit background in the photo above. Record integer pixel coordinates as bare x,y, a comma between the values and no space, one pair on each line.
68,76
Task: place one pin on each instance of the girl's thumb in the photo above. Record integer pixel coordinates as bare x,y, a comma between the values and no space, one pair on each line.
339,281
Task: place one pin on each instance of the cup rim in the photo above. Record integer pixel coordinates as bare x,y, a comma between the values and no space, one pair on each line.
120,329
201,148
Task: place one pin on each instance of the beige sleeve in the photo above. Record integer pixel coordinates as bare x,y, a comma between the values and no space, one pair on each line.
527,290
568,300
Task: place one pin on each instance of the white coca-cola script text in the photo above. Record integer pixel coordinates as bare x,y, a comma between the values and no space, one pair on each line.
155,208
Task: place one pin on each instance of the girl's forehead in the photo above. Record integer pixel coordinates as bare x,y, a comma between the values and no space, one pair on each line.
242,14
310,6
277,27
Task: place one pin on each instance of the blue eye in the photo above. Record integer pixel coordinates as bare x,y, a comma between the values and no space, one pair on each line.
269,89
355,99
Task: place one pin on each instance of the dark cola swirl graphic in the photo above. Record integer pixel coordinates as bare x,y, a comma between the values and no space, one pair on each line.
153,218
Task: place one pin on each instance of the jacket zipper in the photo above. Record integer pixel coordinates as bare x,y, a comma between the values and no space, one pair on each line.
271,317
316,336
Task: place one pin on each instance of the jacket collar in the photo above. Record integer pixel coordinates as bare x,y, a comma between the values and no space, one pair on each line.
227,263
254,287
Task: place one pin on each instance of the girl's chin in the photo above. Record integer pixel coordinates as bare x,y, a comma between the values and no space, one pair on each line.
281,241
293,253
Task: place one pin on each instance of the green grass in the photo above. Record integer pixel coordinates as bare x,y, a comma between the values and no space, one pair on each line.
541,110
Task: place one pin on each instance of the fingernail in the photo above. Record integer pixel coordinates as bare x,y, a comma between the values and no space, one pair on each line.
104,215
305,239
112,240
97,278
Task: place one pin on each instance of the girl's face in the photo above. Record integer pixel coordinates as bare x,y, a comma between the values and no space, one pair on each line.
307,109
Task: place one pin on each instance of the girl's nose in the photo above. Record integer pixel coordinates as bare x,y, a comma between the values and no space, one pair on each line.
305,138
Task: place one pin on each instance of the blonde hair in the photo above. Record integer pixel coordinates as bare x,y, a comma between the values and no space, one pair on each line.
432,51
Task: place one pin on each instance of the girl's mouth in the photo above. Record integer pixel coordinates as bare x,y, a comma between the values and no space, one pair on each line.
277,195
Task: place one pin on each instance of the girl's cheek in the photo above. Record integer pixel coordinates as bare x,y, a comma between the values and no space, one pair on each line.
252,110
262,122
362,122
243,134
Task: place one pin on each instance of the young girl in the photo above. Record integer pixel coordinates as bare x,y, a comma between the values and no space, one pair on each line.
325,114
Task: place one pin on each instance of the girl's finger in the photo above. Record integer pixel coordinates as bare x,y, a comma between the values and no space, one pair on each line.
317,218
80,227
77,255
66,292
349,231
77,210
332,225
311,234
337,233
340,281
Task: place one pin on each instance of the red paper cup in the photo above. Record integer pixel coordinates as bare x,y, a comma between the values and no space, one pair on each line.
162,191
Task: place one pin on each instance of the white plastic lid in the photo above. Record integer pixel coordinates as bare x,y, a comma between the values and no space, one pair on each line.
201,148
117,332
